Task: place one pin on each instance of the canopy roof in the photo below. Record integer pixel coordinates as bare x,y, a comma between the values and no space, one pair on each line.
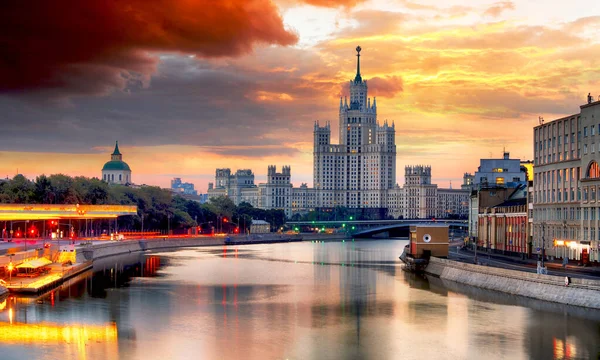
63,211
34,264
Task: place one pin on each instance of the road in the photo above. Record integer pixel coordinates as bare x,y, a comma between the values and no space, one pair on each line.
468,257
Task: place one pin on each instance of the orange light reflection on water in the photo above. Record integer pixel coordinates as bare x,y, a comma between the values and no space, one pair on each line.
79,335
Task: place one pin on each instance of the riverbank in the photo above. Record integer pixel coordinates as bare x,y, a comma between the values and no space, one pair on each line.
84,255
578,292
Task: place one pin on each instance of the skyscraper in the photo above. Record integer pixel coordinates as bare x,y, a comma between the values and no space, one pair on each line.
359,170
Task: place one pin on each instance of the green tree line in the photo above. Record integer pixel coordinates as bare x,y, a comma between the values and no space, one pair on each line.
158,207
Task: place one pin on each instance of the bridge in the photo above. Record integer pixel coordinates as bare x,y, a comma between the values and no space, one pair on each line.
380,228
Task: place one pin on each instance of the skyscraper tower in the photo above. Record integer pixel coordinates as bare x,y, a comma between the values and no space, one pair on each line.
358,172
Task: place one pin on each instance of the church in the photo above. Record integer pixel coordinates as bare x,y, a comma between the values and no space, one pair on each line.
116,171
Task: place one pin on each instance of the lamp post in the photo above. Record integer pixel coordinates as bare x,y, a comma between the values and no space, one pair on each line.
543,243
523,238
10,269
168,224
543,252
25,233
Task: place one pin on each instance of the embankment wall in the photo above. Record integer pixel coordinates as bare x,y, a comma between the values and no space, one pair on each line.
579,292
98,251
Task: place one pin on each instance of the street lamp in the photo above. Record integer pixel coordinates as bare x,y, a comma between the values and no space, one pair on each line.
10,269
168,224
543,242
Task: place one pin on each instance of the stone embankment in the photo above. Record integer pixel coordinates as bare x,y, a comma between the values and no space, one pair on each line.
578,292
98,251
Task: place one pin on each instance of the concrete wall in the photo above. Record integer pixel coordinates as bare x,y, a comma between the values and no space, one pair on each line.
98,251
580,292
92,252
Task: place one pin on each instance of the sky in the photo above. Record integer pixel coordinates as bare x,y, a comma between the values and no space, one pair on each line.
188,86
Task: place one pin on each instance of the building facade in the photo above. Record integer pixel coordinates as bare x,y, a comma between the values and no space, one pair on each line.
499,171
566,207
492,176
357,172
417,199
503,225
116,171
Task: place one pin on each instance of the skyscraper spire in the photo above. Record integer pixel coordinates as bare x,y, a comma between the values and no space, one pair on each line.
358,78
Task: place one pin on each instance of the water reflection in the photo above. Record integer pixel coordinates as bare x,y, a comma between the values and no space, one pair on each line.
73,321
329,300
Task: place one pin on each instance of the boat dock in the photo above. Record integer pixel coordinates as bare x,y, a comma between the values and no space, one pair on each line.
56,276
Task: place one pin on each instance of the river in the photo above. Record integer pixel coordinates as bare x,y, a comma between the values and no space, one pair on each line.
310,300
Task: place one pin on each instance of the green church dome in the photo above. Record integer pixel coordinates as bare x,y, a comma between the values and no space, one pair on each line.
116,165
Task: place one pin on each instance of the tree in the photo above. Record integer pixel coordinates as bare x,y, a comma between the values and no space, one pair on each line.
20,190
43,189
63,190
222,205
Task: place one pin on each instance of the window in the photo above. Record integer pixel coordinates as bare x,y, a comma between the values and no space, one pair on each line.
499,181
585,133
593,171
499,170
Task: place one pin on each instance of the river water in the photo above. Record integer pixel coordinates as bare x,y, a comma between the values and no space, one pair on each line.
322,300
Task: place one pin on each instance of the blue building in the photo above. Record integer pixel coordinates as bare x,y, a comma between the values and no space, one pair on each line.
182,188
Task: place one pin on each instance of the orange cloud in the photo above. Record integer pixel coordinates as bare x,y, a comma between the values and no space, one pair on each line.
388,86
333,3
93,45
270,96
323,3
498,8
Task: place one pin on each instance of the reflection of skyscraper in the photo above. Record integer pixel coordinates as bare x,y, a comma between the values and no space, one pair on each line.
321,259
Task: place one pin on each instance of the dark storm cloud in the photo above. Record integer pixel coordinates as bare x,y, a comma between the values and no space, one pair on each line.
190,102
94,46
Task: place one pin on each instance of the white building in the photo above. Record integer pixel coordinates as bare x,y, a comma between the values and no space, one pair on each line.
116,171
359,172
499,171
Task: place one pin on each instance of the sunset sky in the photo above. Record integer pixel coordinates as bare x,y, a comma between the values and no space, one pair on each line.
190,86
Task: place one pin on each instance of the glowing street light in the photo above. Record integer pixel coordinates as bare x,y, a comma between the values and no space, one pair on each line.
10,269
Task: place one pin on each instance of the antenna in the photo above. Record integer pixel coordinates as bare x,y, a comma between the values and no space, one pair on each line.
541,120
